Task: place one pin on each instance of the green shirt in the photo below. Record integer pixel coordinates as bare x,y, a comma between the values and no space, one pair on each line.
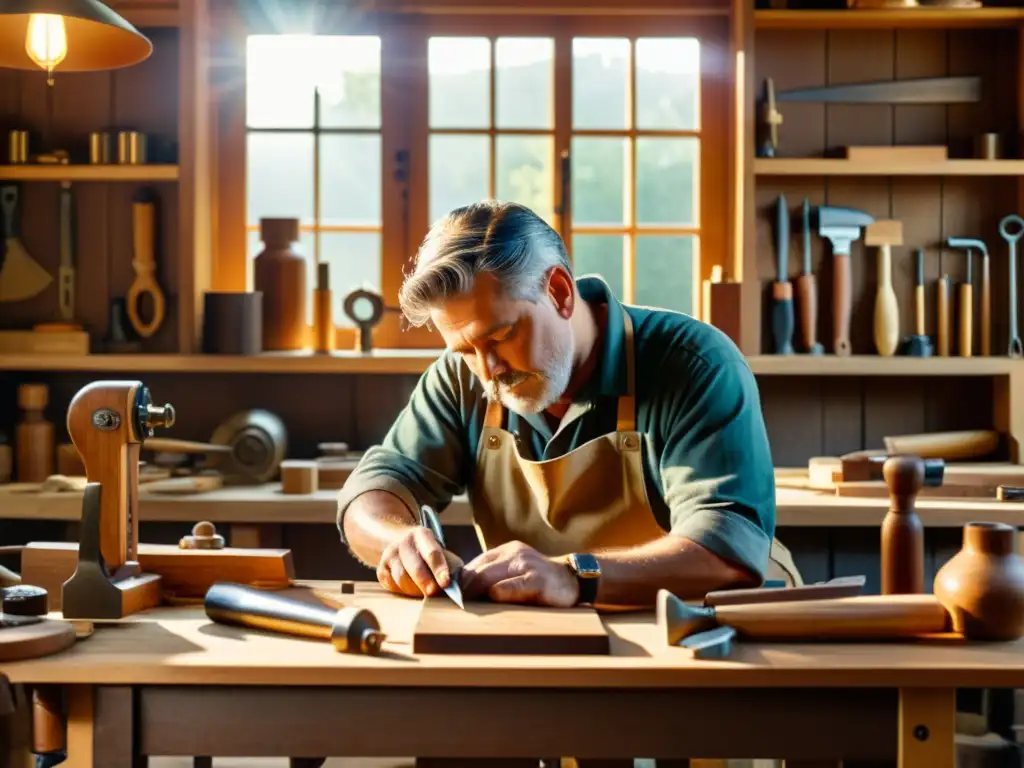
707,463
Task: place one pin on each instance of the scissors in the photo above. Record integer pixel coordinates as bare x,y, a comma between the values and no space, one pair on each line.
428,519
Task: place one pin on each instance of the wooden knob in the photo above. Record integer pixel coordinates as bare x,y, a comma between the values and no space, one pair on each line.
33,397
204,536
904,475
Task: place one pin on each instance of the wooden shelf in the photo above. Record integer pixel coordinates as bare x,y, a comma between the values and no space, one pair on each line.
381,361
872,365
936,18
800,166
88,172
415,361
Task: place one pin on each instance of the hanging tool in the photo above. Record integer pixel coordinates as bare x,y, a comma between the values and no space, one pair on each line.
807,290
428,519
841,226
971,244
782,289
966,299
770,121
945,325
918,345
144,263
21,277
66,272
884,234
1011,228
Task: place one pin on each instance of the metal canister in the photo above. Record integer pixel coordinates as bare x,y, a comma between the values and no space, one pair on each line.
17,147
988,146
99,148
131,148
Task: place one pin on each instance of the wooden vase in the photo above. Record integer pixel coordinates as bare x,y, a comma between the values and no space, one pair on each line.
280,275
982,586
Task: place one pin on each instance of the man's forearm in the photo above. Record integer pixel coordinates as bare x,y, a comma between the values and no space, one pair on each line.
372,522
633,576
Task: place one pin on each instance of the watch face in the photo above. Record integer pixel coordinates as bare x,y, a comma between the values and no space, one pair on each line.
586,565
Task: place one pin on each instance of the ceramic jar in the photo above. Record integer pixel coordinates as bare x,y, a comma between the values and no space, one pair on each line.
982,586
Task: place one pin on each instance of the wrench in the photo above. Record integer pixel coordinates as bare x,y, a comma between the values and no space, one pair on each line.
1011,228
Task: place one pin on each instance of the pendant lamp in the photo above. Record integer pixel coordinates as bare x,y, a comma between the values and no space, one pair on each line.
67,36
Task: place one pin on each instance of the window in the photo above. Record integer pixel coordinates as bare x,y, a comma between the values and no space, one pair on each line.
613,129
313,149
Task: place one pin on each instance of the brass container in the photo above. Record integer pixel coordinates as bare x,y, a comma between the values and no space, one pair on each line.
17,147
100,148
131,148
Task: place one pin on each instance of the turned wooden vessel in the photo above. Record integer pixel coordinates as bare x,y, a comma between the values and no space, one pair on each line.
982,586
279,273
902,532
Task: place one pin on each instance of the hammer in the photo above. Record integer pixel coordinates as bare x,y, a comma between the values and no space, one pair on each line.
841,226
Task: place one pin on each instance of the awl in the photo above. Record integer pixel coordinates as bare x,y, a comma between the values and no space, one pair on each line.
428,519
782,289
807,290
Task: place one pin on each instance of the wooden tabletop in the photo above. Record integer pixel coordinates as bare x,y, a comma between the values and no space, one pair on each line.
179,646
267,505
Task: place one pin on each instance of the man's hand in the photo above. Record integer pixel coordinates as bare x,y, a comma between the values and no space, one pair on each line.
415,564
517,573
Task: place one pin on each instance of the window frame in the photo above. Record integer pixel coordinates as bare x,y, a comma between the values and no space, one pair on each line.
405,129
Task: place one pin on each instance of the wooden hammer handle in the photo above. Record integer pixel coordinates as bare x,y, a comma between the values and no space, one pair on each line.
842,304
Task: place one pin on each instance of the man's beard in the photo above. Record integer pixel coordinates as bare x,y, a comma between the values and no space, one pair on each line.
553,381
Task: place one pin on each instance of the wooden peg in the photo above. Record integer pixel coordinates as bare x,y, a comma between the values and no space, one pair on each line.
298,477
902,532
204,536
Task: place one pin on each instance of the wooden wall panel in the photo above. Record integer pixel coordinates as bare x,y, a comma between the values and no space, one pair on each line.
143,98
931,208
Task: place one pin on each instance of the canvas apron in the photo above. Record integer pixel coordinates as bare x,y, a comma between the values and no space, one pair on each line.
593,497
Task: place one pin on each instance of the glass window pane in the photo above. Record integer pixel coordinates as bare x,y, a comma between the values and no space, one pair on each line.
667,179
600,83
355,262
598,173
459,82
279,81
306,246
280,176
459,172
600,255
524,75
350,183
348,77
668,83
665,271
526,172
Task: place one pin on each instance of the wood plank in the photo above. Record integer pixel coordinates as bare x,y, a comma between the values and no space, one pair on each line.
495,628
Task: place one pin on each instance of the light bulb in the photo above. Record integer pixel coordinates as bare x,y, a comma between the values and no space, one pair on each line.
46,41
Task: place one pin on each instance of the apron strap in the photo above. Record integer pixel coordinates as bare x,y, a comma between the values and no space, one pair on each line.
626,419
495,414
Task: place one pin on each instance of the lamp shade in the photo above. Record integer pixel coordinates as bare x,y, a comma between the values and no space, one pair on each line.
97,38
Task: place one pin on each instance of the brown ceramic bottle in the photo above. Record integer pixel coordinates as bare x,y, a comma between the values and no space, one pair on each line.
902,532
280,274
982,586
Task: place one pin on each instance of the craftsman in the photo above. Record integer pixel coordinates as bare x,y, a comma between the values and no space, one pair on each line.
608,450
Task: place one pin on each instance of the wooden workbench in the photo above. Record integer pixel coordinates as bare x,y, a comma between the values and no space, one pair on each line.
185,686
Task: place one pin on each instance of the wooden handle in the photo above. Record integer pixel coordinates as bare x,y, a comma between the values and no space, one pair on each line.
868,617
144,263
842,304
966,335
887,311
807,298
967,444
943,311
919,310
986,308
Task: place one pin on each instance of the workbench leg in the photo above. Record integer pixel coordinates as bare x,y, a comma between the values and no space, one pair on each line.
927,728
81,727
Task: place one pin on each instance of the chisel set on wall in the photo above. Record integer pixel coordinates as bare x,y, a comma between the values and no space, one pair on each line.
841,227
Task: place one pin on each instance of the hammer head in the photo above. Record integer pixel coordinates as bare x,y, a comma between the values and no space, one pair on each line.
841,226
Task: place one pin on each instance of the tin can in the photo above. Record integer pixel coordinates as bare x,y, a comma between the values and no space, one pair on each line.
131,148
99,148
17,147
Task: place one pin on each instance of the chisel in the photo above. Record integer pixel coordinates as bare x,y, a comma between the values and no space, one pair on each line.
807,290
967,312
782,289
945,327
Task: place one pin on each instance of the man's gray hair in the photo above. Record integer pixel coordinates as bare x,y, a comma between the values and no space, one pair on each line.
506,239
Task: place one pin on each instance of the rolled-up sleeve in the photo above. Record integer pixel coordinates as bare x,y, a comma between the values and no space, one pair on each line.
716,466
423,457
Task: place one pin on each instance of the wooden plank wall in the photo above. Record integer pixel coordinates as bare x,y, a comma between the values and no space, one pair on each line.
142,98
931,209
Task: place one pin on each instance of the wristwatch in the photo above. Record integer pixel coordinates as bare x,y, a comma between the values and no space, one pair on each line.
588,576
